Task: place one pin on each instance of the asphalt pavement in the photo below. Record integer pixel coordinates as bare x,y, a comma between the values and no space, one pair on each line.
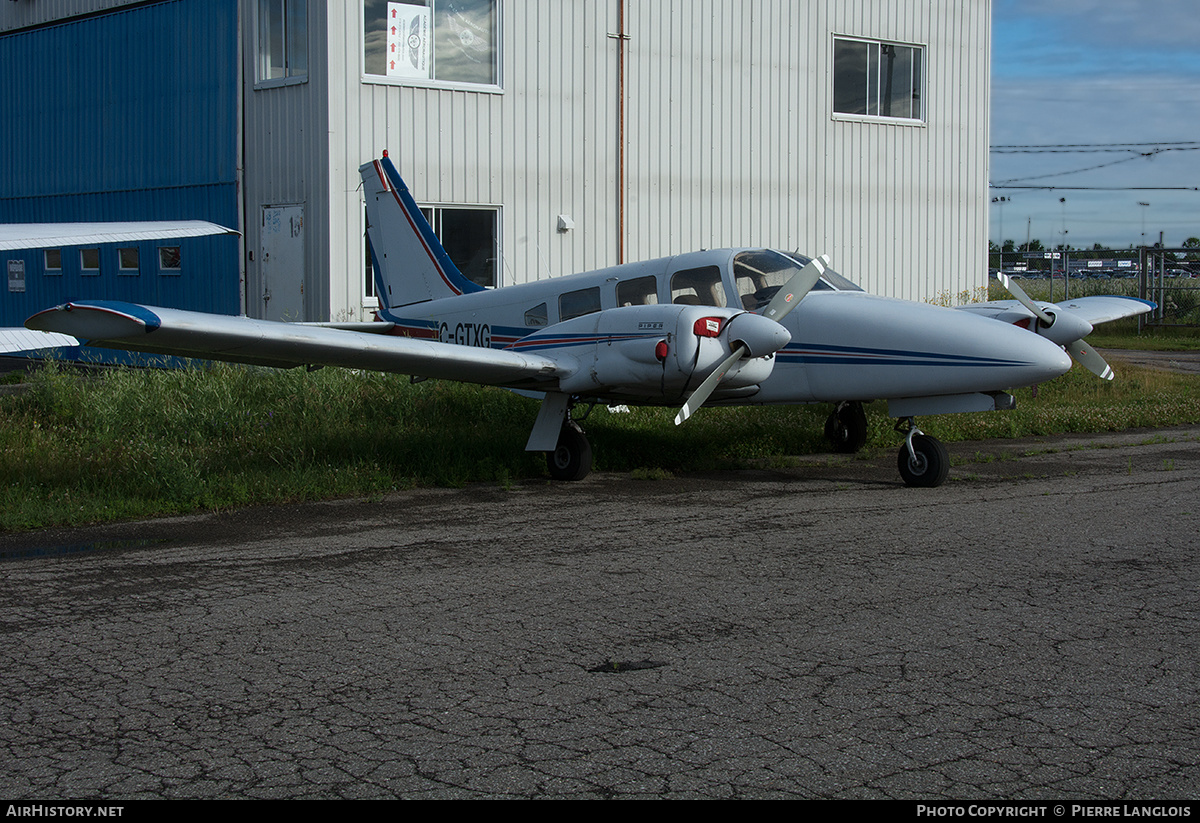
1028,630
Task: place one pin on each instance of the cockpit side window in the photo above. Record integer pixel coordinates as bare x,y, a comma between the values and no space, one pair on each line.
641,291
698,287
759,274
578,303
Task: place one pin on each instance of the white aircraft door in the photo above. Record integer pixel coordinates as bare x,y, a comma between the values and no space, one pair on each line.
282,262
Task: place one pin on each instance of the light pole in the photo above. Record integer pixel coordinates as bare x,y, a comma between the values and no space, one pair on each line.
1143,221
1000,201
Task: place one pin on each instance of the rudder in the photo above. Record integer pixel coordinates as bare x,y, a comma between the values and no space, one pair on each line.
410,264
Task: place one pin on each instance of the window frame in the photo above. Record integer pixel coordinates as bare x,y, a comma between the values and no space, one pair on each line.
170,270
47,269
435,215
125,270
920,86
291,77
84,269
496,87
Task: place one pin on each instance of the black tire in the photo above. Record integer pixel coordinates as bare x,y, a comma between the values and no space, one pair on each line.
572,458
931,466
846,428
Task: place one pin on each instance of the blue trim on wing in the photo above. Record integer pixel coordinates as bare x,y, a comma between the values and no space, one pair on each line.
141,314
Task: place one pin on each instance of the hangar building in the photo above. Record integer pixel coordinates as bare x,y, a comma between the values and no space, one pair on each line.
543,138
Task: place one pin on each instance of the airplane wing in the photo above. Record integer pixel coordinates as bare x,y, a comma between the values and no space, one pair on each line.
1092,310
111,324
14,236
1106,308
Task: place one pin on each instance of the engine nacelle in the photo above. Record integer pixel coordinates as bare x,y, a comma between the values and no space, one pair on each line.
660,352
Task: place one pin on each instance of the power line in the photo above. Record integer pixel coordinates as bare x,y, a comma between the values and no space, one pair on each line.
1097,188
1084,148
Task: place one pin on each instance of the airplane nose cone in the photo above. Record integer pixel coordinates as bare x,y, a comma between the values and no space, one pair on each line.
1035,359
758,334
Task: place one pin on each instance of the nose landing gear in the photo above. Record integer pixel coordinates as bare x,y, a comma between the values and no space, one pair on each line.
922,461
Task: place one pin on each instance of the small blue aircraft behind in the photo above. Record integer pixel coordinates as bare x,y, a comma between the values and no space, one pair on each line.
744,326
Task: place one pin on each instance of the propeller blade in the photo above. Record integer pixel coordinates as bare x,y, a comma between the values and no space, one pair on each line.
1087,357
786,299
710,383
793,291
1023,298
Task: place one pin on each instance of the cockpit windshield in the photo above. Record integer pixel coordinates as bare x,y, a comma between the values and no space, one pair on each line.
830,279
760,273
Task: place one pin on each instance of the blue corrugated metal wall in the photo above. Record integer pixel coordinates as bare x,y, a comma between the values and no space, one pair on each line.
127,115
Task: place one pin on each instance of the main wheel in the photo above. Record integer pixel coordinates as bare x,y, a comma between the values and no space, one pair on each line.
931,466
572,457
846,428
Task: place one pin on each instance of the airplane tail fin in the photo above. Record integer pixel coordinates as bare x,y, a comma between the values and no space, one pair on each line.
410,264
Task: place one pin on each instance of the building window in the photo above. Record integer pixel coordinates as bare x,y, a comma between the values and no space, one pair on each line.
53,260
875,79
128,261
470,236
89,261
282,42
169,260
431,41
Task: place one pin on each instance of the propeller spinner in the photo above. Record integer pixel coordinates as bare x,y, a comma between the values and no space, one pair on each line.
1070,335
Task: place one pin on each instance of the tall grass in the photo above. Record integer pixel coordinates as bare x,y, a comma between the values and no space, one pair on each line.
133,443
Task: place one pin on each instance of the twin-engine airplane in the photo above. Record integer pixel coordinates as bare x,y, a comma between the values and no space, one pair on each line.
724,326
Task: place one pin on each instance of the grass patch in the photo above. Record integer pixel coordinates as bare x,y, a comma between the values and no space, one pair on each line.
136,443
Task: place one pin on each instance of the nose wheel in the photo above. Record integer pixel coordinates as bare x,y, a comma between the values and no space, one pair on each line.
922,461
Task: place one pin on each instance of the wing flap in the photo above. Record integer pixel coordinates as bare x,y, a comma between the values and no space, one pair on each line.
284,345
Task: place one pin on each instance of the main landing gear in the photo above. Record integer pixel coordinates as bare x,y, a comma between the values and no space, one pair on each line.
922,461
572,457
846,427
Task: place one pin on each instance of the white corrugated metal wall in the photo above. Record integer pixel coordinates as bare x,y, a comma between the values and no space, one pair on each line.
730,133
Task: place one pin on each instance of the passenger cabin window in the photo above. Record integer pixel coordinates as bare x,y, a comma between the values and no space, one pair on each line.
642,291
698,287
537,316
578,303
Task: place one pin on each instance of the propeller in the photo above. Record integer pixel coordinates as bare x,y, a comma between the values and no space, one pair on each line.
786,299
1074,343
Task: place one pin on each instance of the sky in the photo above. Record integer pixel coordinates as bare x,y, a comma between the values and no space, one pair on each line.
1095,73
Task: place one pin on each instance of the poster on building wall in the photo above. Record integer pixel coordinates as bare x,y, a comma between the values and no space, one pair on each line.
16,275
409,41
